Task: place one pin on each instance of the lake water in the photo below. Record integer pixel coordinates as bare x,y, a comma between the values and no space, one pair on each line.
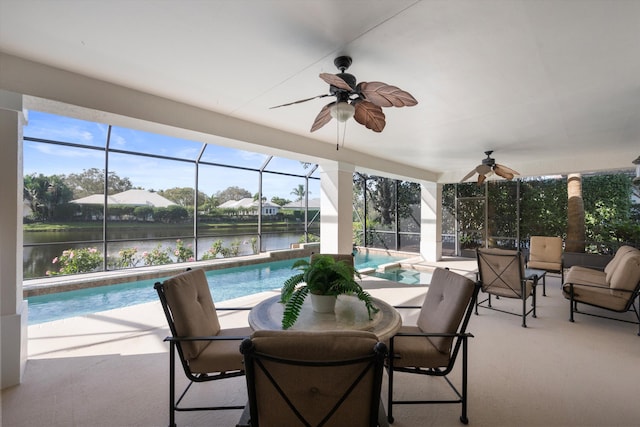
225,284
37,259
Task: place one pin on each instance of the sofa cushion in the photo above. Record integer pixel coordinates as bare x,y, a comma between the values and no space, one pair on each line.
613,264
587,276
600,296
627,273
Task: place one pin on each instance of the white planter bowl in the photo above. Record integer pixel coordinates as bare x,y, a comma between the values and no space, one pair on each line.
323,303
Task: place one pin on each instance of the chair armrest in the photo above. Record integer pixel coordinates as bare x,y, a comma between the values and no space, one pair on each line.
587,285
209,338
433,334
406,307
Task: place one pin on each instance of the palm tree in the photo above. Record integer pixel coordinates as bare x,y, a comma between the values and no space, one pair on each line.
575,215
299,192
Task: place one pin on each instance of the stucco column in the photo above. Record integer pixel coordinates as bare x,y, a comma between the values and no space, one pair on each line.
431,221
13,312
336,207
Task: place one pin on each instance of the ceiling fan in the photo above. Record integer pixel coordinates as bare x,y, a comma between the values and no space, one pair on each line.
487,167
362,101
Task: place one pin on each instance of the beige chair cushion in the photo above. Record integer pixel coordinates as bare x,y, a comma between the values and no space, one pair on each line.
599,296
220,355
613,264
501,271
417,351
444,306
545,253
627,273
587,276
314,390
348,258
192,308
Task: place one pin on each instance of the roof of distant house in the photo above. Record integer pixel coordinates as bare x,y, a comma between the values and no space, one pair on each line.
299,204
129,197
247,202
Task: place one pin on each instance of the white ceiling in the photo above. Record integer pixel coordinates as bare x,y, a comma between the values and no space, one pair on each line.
550,86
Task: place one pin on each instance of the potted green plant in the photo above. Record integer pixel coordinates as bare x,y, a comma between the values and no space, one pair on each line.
323,276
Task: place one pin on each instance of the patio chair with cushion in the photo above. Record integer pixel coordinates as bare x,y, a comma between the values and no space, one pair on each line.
501,274
206,351
545,253
431,346
348,258
330,378
616,288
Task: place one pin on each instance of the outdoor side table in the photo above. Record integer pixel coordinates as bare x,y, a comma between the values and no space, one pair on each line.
530,272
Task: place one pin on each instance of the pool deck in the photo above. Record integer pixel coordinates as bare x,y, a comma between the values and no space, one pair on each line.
110,368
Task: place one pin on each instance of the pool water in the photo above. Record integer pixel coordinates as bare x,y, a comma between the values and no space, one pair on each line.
408,277
225,284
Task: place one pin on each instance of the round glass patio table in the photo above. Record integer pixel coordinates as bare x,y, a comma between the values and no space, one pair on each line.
350,314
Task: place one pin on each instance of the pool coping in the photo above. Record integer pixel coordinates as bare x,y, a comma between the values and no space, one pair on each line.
50,285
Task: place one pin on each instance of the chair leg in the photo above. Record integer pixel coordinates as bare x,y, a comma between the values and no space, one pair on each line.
523,296
172,384
382,416
390,373
463,416
571,303
390,393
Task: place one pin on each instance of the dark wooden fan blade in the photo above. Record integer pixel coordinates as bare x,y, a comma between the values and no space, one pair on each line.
504,172
336,81
323,117
469,175
370,115
385,95
481,179
302,100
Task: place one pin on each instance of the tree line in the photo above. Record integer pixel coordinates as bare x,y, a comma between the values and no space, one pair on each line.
48,197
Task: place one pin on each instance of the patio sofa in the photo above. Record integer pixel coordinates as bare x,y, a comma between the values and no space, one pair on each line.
616,288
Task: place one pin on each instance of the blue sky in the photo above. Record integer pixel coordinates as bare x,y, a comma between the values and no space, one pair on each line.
147,172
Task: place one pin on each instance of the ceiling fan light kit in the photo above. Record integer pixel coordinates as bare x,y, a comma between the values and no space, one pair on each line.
363,101
342,111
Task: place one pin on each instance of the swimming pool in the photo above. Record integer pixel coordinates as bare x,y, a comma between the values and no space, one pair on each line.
408,277
225,284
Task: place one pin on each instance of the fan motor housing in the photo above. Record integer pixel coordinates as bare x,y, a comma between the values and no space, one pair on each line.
341,94
488,161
